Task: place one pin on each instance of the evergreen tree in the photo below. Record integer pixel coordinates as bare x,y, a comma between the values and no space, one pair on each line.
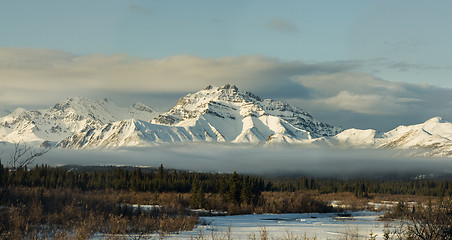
235,189
3,174
197,195
245,195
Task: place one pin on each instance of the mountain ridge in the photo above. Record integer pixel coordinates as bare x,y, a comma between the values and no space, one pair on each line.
214,114
431,138
65,118
222,101
218,114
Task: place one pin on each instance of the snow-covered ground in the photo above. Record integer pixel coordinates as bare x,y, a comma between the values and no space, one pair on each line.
278,226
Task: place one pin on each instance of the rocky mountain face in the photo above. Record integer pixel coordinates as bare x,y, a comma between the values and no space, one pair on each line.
217,114
228,102
66,118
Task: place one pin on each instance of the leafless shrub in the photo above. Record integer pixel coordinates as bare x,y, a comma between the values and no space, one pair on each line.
430,222
22,156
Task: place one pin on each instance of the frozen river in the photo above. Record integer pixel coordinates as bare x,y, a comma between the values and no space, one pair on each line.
278,226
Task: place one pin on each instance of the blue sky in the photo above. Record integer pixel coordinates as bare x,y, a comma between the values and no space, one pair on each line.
161,28
392,42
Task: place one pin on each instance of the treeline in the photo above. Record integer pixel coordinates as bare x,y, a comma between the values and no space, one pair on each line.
235,188
363,187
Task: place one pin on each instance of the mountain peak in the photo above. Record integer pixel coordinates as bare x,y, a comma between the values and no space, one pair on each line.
227,102
435,120
217,114
142,106
228,86
18,111
67,117
76,103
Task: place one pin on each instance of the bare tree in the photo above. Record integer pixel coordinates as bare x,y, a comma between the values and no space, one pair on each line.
430,222
22,156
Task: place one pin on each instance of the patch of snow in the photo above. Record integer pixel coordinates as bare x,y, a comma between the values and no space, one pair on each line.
280,226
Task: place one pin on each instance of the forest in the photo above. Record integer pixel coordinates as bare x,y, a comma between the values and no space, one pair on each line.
71,202
234,187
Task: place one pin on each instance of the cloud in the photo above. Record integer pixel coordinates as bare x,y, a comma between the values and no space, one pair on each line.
404,67
28,73
281,25
216,20
362,103
140,9
262,160
331,91
405,46
345,98
327,85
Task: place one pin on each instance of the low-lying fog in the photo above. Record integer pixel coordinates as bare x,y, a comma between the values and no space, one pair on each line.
262,160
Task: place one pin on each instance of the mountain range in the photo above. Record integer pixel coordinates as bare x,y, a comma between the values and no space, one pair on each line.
66,118
214,114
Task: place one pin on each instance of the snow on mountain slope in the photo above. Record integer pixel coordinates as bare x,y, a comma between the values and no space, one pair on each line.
223,106
65,118
431,138
129,132
139,133
217,114
355,137
434,135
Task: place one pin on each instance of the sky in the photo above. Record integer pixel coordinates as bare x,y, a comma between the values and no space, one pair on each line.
363,64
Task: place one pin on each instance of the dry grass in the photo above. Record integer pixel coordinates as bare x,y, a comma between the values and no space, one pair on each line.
73,214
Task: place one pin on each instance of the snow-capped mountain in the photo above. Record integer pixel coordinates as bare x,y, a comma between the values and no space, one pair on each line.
214,114
220,106
65,118
129,132
431,138
218,114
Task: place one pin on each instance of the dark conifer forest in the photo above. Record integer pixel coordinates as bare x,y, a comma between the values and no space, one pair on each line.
236,188
74,202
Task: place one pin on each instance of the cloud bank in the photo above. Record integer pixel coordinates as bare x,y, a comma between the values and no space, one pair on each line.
335,92
260,160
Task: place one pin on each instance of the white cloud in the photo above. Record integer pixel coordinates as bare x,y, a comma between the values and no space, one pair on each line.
368,104
29,70
362,101
263,160
331,84
328,90
281,25
140,9
356,92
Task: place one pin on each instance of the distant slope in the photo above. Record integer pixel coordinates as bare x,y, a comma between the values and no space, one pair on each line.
65,118
431,138
129,132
